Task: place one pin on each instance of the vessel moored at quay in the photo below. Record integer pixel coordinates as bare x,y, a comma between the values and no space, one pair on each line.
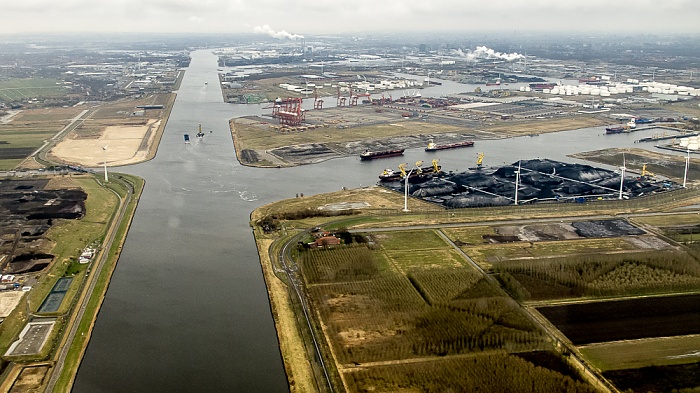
371,155
435,147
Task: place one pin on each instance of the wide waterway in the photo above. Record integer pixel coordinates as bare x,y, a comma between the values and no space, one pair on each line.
187,308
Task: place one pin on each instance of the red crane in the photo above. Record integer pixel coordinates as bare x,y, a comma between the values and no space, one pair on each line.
341,100
290,112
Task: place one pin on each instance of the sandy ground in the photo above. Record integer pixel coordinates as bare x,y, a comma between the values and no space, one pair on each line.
8,117
125,145
8,301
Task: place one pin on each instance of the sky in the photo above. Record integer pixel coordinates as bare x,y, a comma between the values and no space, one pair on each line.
299,17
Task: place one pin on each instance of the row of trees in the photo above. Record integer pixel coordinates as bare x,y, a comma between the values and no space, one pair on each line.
603,274
487,373
345,263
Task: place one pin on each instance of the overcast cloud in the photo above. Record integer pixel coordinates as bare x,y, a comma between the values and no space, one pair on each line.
322,16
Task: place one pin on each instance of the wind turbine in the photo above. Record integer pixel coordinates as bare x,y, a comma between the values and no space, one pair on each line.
687,164
517,182
104,148
622,174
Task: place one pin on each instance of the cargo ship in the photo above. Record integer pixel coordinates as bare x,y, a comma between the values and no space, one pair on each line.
371,155
433,147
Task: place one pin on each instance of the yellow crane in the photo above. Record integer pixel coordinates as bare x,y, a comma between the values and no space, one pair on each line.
645,172
418,166
402,168
436,167
479,160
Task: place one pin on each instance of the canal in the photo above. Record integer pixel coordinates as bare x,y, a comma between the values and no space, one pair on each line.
187,308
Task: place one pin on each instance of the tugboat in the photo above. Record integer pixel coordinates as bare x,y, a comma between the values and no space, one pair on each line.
200,134
622,128
187,138
433,147
370,155
615,130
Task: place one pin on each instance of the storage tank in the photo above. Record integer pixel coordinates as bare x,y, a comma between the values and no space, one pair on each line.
684,142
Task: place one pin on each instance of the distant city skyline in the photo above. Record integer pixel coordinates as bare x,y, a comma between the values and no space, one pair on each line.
292,19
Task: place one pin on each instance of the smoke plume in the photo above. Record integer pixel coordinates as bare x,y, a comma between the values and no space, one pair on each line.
266,29
482,52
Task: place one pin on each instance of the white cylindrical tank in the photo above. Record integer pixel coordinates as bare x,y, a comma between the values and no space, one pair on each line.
546,91
522,88
527,88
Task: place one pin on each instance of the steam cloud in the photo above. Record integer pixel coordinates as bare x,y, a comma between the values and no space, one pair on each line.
266,29
482,52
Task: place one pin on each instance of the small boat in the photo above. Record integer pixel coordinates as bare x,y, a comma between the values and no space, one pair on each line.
187,138
371,155
434,147
200,134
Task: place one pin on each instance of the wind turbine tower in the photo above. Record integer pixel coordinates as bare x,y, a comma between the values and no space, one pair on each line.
517,182
622,175
104,148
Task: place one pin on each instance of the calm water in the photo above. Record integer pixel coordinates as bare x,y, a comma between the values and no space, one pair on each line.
187,308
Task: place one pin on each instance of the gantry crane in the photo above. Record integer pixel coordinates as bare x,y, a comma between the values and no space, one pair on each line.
341,100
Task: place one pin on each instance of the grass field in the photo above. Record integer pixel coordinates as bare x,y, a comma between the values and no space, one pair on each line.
425,259
471,236
410,240
670,220
22,89
486,255
642,353
28,130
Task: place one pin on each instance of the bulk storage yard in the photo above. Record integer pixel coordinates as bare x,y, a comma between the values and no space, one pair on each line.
538,180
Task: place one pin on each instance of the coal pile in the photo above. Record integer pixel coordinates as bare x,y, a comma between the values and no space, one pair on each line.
606,228
27,211
540,180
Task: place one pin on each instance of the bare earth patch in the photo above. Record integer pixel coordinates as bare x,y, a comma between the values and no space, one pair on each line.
8,301
124,146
